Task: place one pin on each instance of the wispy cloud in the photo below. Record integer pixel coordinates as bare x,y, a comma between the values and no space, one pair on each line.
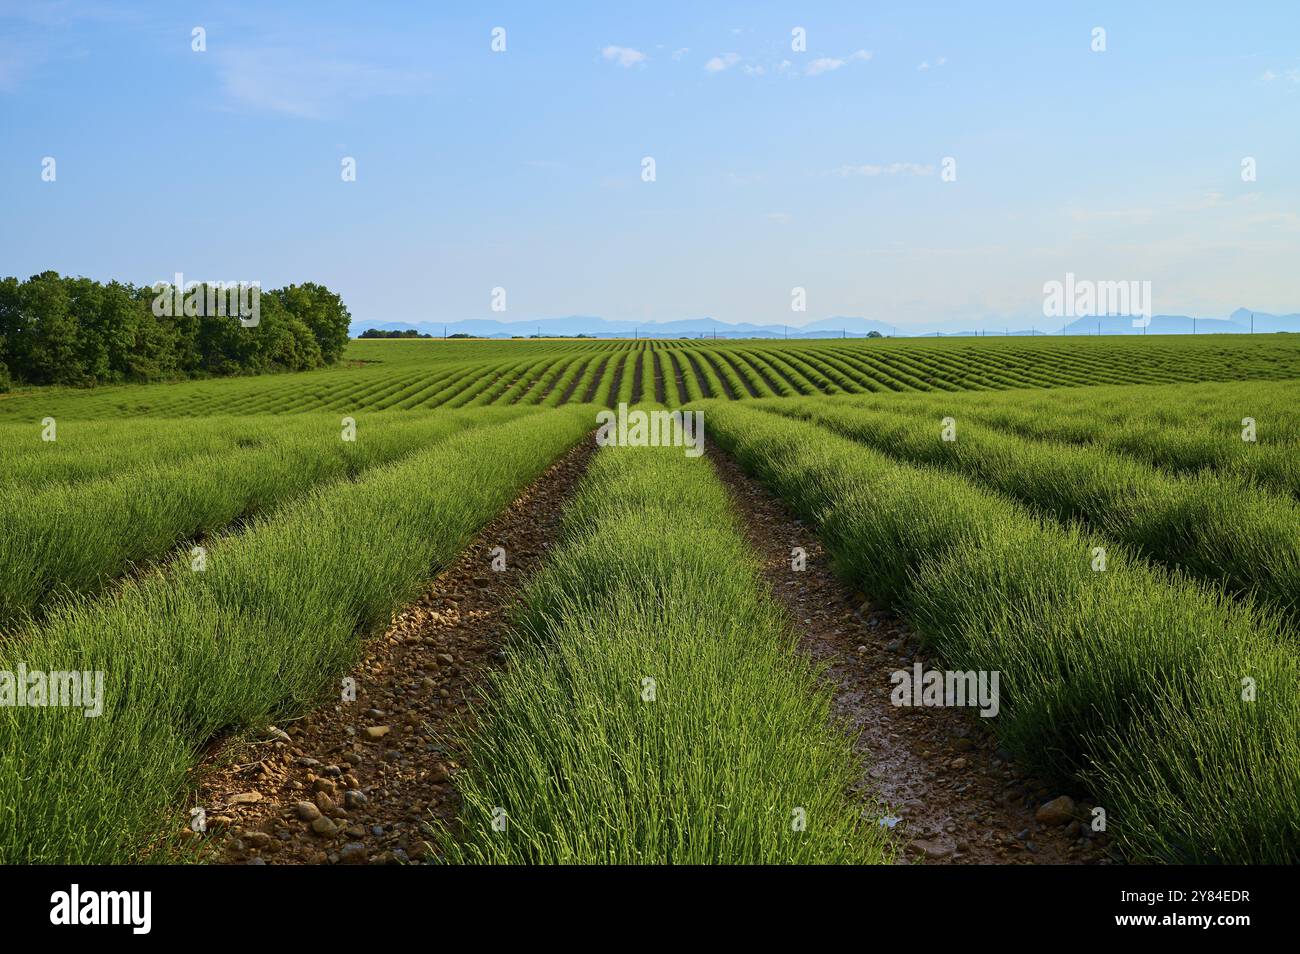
1222,208
1210,201
719,63
1133,215
893,169
624,56
824,64
63,12
33,35
15,64
285,80
1290,76
938,62
828,64
678,54
1288,221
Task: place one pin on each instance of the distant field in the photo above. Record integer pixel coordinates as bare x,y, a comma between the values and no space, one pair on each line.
403,375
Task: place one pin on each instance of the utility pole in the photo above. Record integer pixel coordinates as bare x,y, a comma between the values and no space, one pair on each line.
1252,322
1193,324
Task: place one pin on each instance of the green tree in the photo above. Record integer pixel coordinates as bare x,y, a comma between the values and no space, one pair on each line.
323,312
8,322
75,331
50,329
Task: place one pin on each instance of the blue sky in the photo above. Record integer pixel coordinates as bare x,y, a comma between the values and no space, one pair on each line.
774,168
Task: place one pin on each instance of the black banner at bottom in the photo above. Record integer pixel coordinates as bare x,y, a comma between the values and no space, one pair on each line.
138,904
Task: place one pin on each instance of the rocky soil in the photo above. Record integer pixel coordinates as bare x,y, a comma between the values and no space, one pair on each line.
358,782
952,796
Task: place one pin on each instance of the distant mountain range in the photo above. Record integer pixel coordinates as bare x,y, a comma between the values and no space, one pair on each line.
1239,322
604,328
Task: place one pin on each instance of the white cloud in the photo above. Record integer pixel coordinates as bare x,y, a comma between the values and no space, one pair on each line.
678,54
828,64
1289,221
624,56
1210,201
285,80
719,63
824,64
755,70
938,62
15,64
893,169
1291,76
64,12
1133,215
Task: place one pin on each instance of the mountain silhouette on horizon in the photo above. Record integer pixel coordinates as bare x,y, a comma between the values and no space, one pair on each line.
1238,322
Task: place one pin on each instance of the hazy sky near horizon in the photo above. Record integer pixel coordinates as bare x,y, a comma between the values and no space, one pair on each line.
774,168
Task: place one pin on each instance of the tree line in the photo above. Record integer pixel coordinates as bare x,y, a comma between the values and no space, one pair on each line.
381,333
81,333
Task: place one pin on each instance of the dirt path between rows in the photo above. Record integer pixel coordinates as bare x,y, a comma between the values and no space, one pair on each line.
954,797
358,782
